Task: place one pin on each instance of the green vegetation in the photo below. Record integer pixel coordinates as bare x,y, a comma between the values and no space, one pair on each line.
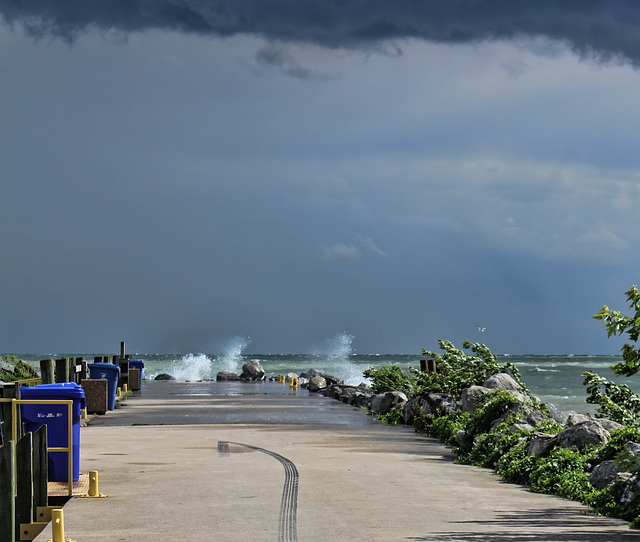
16,369
617,401
488,437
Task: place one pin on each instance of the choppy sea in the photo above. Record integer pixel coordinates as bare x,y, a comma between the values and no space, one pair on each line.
556,379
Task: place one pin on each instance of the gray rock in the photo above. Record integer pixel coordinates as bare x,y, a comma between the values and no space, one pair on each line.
501,381
412,406
581,434
223,376
633,448
630,492
541,444
252,371
604,474
557,414
472,397
164,376
441,403
609,425
528,417
574,419
384,402
317,383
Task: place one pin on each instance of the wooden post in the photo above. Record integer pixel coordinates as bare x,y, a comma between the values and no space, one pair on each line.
40,469
47,371
10,391
62,370
82,375
122,350
98,359
24,482
7,492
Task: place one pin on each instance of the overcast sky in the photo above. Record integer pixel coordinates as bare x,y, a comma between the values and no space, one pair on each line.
178,173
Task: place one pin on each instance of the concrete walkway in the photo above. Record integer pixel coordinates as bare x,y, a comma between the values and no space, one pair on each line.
253,462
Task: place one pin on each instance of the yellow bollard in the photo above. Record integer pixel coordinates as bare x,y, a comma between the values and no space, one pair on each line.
294,382
93,483
83,414
124,387
118,392
57,525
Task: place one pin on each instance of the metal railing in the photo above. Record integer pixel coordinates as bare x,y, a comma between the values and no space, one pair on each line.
68,449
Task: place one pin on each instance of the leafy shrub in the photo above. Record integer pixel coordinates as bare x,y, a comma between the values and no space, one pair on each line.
446,428
394,417
564,472
390,378
617,401
457,370
515,465
19,370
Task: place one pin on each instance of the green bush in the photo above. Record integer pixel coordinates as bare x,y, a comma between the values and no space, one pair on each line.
394,417
391,378
564,472
18,370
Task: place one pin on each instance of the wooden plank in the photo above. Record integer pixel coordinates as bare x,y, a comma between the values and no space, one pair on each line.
29,531
40,468
7,493
24,481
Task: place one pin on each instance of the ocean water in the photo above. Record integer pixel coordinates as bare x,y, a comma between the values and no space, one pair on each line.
556,379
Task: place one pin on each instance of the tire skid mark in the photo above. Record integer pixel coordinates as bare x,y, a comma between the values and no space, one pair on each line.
287,529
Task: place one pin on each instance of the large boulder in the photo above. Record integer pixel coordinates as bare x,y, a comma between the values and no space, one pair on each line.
472,398
604,474
331,380
582,434
528,417
501,381
164,376
317,383
541,444
382,403
252,371
441,404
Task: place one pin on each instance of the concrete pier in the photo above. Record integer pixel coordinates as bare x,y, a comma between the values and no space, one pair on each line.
265,462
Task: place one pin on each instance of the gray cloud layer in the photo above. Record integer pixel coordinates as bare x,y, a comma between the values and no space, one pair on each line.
604,29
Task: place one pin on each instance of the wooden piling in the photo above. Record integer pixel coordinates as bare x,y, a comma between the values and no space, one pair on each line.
40,469
9,391
122,350
7,492
24,482
47,372
62,370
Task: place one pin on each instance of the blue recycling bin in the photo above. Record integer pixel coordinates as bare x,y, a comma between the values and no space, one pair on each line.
110,373
56,418
137,364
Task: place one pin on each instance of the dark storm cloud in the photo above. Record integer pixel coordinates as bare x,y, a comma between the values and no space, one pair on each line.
603,29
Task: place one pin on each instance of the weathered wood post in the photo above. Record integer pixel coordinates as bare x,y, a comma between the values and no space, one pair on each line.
47,372
40,469
24,482
121,349
62,370
7,492
9,391
82,373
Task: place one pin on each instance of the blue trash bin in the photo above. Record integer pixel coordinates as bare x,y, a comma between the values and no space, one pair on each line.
110,373
137,364
56,418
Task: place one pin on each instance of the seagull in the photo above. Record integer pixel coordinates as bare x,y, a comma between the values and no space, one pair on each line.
481,329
